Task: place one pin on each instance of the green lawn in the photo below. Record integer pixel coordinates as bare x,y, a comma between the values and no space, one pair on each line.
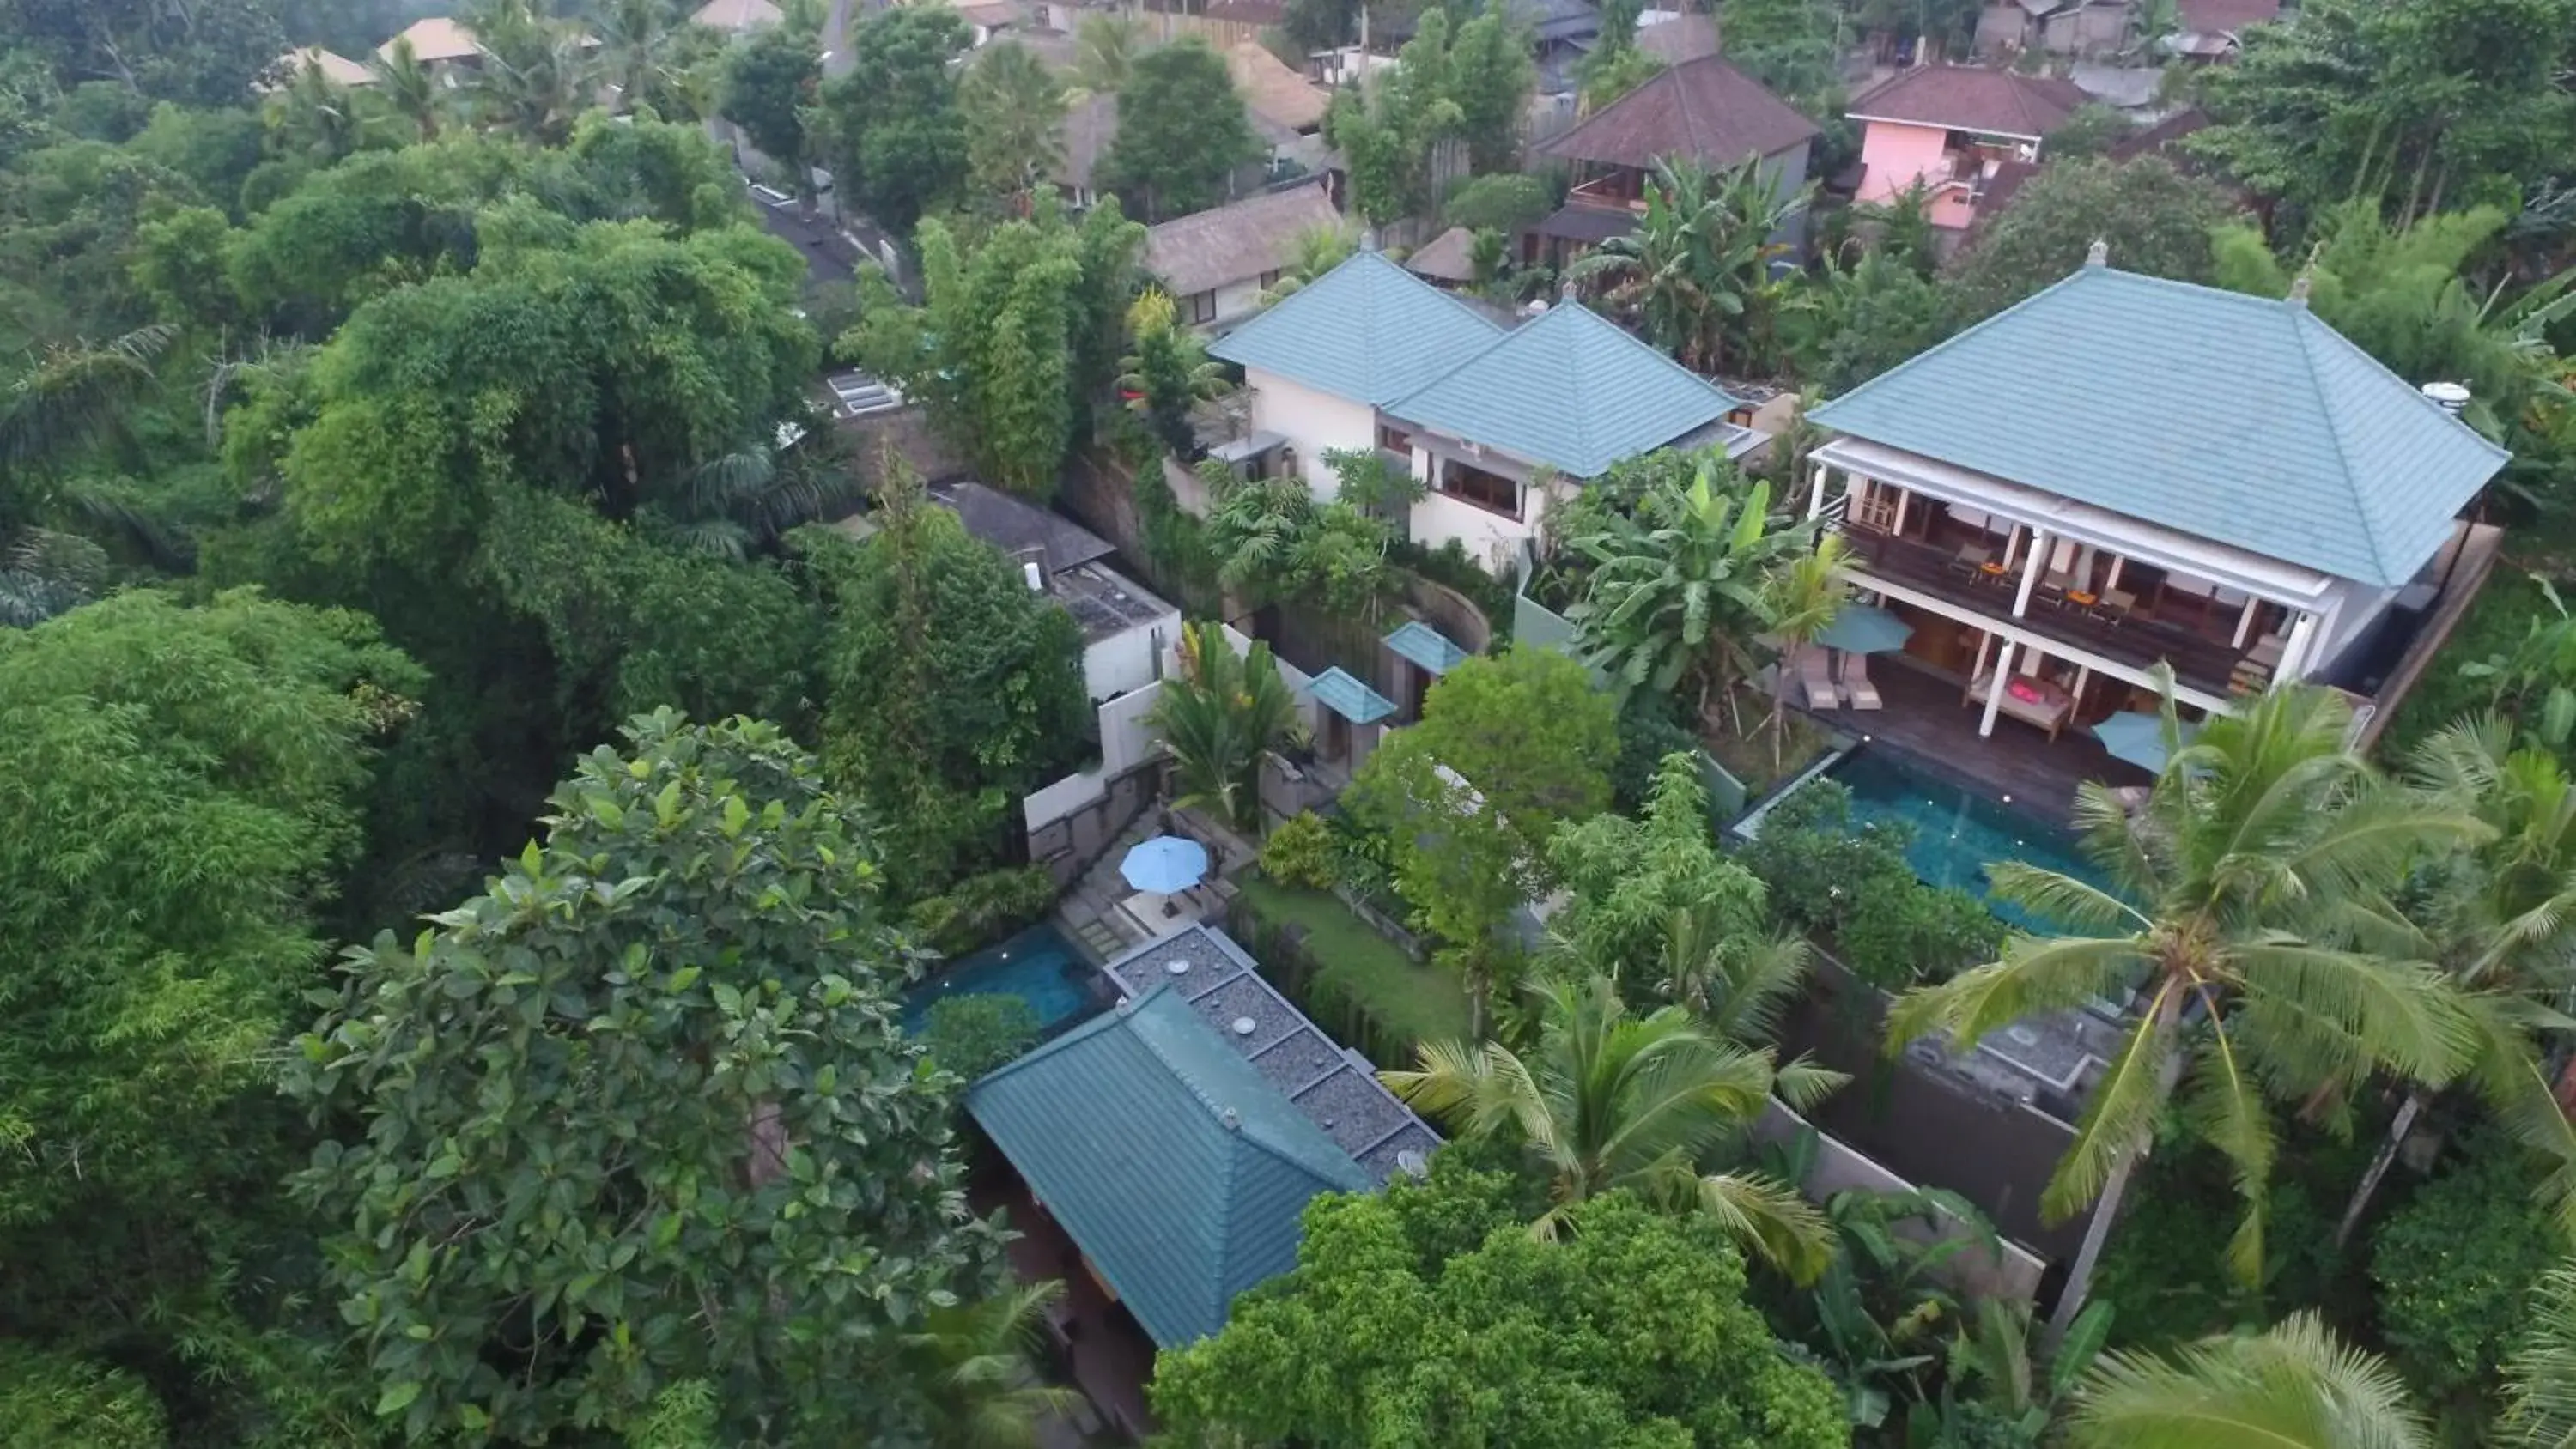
1356,969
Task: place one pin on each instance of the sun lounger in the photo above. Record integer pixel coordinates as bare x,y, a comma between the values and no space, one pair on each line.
1816,675
1864,695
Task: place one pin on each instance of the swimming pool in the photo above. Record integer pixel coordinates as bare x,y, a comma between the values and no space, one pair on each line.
1956,831
1037,965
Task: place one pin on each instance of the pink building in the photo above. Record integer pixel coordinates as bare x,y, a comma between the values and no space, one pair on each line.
1954,129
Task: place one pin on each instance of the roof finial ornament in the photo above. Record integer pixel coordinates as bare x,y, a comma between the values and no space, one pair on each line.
2098,254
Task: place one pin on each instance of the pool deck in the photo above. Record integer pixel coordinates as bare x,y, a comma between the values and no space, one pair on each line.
2018,765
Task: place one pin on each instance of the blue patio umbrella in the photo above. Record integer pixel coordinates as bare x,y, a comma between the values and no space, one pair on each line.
2138,737
1865,629
1165,864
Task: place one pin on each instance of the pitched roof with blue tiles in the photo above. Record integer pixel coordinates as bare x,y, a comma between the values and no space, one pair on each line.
1338,690
2240,419
1367,330
1572,390
1174,1164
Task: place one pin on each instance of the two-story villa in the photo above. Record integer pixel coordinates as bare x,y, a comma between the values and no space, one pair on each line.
1952,129
2122,471
1497,419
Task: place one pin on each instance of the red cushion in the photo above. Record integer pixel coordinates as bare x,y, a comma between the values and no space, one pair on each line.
2023,690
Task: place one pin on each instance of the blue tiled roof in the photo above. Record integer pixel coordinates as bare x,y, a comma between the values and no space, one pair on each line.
2244,420
1174,1164
1426,646
1367,330
1571,390
1344,695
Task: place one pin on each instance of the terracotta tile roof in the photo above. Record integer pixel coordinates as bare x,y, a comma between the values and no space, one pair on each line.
1704,110
436,38
2225,17
1971,98
2160,137
1272,90
1686,36
1235,242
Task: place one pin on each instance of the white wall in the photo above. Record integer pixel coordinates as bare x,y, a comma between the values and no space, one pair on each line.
1312,421
1125,660
1126,741
1488,537
1237,300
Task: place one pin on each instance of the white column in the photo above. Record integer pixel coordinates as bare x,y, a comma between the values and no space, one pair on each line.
1985,647
1816,491
2245,620
2030,572
1995,691
2113,581
2294,652
1904,496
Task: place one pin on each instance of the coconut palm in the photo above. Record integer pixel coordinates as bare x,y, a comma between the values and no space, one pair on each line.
1678,593
639,53
2294,1387
1311,253
408,89
1611,1101
317,114
976,1360
535,75
1219,716
1690,274
1800,604
2501,921
1013,107
1105,48
2540,1382
73,396
743,502
2255,831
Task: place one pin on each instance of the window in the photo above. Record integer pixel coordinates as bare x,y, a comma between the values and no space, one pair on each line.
1394,440
1202,307
1270,279
1490,491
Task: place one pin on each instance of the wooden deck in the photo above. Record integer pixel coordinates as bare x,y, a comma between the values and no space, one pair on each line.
2018,765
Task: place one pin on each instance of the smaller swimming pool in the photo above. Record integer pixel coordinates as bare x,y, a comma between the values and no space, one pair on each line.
1957,832
1038,965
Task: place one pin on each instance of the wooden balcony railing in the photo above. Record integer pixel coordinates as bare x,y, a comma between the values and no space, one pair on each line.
2128,637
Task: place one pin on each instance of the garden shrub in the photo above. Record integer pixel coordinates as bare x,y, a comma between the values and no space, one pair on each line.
1649,729
982,909
1300,853
2455,1266
1909,932
1818,862
972,1035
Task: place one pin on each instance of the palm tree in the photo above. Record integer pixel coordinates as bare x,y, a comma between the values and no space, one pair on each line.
1105,51
318,114
1610,1101
637,50
408,89
1678,593
535,75
2501,921
1800,604
2540,1381
1013,107
739,504
1255,532
2251,835
1312,252
74,396
1219,716
976,1358
1690,274
1168,374
2294,1387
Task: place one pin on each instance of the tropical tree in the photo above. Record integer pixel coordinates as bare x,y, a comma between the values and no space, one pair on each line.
770,80
2540,1381
1610,1101
74,397
977,1363
1182,131
1168,374
2152,218
896,139
1678,592
1798,605
2295,1386
640,58
1311,253
1655,905
1105,47
2500,920
1219,717
1692,273
408,89
535,75
1013,106
2219,883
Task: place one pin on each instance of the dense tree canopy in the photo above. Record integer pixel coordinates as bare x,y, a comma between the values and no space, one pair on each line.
2154,220
640,1113
1428,1315
895,140
1182,131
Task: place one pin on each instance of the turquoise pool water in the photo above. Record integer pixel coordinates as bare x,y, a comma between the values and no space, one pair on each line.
1957,831
1037,965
